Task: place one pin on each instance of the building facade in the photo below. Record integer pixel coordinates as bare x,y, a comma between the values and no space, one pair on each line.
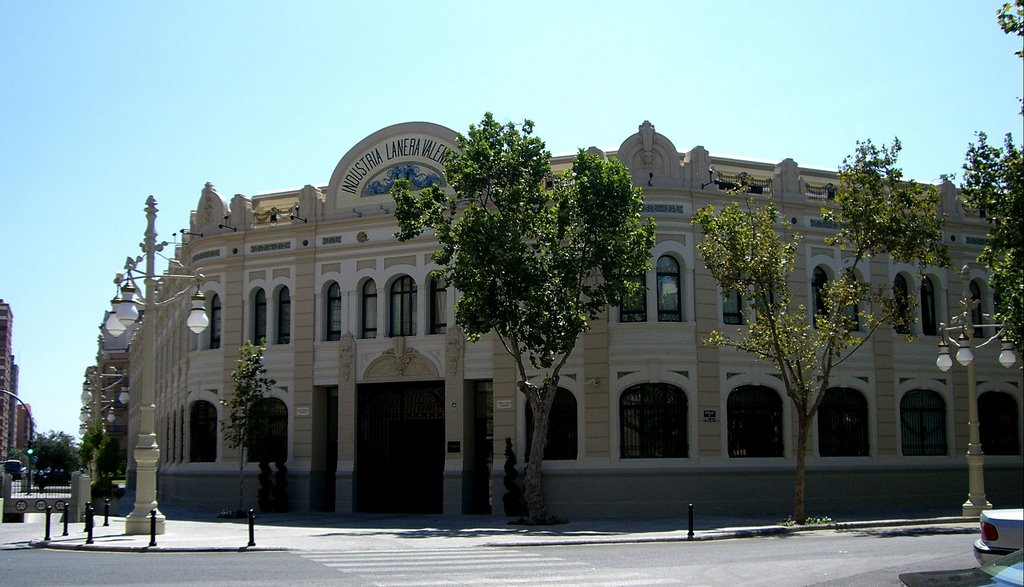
382,405
9,432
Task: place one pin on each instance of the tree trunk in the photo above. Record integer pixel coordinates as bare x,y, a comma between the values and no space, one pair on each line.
536,510
803,430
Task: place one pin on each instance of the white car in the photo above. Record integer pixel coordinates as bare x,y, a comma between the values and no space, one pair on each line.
1002,532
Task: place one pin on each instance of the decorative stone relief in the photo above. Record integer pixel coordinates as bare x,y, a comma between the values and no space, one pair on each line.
346,355
455,344
647,139
400,361
210,211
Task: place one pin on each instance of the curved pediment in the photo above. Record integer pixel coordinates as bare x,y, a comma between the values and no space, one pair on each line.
400,362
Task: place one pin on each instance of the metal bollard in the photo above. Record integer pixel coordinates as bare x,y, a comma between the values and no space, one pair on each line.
252,524
67,509
689,533
152,527
47,537
106,511
89,511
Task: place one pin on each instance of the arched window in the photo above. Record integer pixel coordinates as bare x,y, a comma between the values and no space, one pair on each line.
368,310
284,316
999,423
562,428
843,424
923,423
438,306
333,312
403,307
652,422
202,435
818,281
634,307
929,321
270,440
259,316
852,312
901,296
755,422
670,295
732,307
215,319
977,311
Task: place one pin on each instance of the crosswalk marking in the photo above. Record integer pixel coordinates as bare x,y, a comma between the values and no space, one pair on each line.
459,566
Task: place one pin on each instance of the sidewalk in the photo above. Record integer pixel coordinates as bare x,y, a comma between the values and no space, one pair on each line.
192,531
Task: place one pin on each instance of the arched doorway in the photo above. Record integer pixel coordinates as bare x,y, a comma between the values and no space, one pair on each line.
400,448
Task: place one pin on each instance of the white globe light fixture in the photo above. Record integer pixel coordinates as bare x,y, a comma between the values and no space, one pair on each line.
197,319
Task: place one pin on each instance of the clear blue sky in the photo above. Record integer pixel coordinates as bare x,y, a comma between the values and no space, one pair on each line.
104,103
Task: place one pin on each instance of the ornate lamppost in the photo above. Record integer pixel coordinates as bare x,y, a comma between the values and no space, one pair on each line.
126,312
960,333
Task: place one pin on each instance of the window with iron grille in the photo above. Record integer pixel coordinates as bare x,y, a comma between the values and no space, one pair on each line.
901,295
438,306
652,420
923,423
999,423
202,432
562,428
818,281
270,440
843,424
755,422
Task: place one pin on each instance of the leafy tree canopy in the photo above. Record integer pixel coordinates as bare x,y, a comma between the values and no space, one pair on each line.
534,256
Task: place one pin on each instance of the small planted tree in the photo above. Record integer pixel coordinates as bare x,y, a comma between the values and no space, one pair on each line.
533,264
244,426
752,255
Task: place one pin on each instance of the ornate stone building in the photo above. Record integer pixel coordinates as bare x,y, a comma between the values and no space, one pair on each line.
381,405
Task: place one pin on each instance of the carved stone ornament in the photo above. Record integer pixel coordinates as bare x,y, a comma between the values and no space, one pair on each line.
647,139
400,361
455,343
346,353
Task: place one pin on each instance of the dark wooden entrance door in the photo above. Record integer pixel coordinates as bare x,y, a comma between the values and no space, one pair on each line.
400,450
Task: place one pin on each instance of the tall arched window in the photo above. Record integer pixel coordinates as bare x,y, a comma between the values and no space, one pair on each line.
852,312
284,316
652,422
202,426
403,307
270,439
670,295
901,296
755,422
333,312
818,281
999,423
929,322
732,307
923,423
438,306
977,311
259,316
215,319
563,430
843,424
634,308
368,310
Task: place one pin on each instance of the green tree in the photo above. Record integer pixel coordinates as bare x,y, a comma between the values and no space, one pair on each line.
749,252
56,450
91,441
994,182
532,264
244,425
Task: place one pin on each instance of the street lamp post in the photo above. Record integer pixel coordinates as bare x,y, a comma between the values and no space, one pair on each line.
147,451
962,325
